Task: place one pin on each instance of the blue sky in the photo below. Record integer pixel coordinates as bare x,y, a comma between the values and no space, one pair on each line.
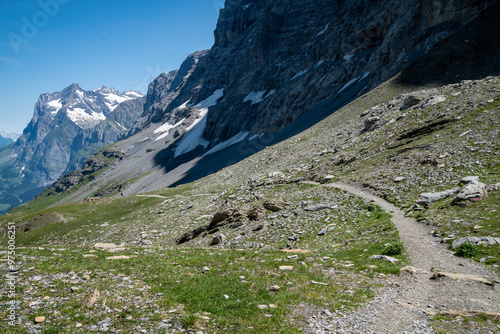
46,45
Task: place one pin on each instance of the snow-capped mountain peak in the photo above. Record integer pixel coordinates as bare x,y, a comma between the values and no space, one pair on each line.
133,94
84,108
114,98
9,135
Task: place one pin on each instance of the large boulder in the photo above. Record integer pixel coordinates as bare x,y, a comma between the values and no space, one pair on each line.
257,213
274,205
220,217
409,102
428,198
374,122
473,189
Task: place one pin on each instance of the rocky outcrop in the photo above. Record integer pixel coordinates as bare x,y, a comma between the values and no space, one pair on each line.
473,189
163,94
101,160
274,205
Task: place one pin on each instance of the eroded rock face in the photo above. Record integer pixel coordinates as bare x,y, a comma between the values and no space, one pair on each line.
278,59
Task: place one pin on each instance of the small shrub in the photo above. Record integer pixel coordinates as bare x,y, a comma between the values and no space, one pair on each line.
189,321
466,250
482,317
393,249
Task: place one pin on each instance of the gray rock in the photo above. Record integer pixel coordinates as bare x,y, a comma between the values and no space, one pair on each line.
218,239
437,196
433,100
106,321
365,113
399,179
409,102
274,205
276,174
190,206
220,216
316,207
327,178
274,288
144,243
385,258
323,231
469,179
493,187
474,189
476,241
374,122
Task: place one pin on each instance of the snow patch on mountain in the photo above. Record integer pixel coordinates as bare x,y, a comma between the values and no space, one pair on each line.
258,97
84,119
212,100
255,136
194,136
114,100
299,74
165,129
56,104
323,31
353,81
133,94
348,57
79,93
225,144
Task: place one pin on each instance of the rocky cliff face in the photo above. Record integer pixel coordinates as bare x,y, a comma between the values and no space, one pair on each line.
276,60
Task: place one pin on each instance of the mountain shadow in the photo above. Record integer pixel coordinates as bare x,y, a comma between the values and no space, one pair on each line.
472,53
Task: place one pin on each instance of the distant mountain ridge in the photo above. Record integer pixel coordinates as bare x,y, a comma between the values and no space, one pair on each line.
9,135
5,141
67,127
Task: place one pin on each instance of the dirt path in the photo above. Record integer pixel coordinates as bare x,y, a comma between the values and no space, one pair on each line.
151,196
401,307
